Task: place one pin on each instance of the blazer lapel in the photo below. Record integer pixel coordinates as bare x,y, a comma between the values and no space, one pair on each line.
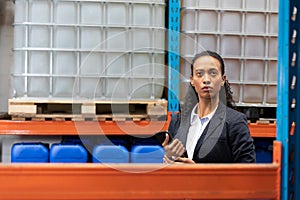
190,100
183,129
212,132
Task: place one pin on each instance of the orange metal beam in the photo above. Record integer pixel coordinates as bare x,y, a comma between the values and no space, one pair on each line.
262,130
106,127
81,127
134,181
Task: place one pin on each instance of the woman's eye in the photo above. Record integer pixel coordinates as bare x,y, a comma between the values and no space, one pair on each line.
199,73
214,73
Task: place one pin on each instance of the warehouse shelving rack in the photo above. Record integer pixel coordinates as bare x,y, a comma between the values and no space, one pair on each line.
70,127
288,110
71,179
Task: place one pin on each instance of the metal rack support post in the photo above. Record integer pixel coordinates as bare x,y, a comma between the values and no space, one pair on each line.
173,55
288,110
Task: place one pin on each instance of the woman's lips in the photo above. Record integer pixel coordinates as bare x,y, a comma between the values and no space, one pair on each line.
206,89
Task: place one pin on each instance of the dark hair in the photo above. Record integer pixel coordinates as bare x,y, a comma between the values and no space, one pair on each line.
228,93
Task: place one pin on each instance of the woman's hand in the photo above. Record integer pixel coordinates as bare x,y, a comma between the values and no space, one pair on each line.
185,160
166,140
173,150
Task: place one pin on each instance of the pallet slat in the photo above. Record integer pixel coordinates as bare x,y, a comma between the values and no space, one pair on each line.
40,109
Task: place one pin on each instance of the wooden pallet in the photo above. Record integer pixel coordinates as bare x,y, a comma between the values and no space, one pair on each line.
263,121
84,110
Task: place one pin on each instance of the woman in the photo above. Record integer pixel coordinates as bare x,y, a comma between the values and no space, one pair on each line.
208,130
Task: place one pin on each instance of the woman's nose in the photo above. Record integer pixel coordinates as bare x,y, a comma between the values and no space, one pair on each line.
206,79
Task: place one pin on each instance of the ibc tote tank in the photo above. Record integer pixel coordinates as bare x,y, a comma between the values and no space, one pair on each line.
89,49
245,34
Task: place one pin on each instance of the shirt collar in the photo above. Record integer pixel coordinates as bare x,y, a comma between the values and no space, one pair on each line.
194,114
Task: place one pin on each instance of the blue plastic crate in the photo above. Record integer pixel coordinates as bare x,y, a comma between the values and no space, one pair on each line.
264,150
110,154
68,153
147,154
264,156
30,153
135,141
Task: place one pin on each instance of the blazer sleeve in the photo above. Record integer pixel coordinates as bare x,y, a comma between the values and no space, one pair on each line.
174,124
241,142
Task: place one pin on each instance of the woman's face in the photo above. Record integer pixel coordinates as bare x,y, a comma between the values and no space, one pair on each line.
207,77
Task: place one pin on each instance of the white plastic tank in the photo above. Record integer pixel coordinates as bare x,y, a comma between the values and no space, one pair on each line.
245,34
89,49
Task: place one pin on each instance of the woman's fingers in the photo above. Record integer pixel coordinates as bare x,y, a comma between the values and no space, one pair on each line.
177,148
179,160
174,150
185,160
166,160
166,140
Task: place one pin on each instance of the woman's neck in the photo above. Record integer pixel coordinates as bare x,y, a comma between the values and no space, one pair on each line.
205,107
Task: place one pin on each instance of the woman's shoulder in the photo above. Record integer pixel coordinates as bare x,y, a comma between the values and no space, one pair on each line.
232,114
176,116
174,124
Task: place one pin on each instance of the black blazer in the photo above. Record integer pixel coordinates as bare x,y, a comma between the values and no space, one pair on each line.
226,138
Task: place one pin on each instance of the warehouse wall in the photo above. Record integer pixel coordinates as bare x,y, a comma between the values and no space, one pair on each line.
6,54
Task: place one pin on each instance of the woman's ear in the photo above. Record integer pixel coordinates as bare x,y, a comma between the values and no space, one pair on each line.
191,81
223,80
